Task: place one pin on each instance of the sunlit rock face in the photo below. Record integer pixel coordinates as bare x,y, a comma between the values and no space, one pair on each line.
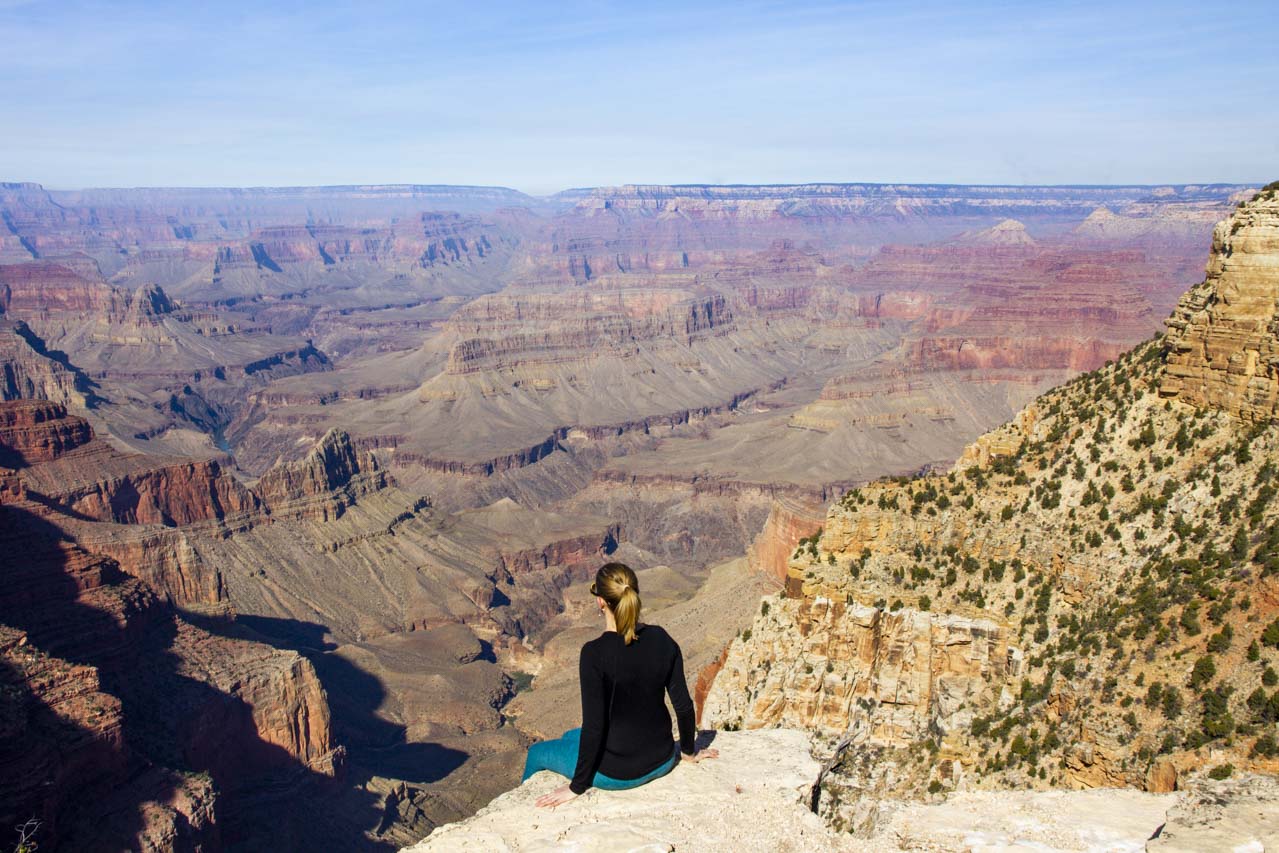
1223,338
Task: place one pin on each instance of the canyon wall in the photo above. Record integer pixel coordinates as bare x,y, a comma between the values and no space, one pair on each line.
1222,336
120,703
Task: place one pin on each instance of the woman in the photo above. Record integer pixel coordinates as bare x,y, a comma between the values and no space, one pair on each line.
625,738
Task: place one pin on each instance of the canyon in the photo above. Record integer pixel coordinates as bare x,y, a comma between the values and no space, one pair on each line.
329,469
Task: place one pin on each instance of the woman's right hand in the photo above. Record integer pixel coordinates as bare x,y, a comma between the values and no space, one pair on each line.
700,755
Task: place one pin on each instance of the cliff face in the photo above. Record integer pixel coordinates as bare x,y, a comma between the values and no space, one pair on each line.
1084,599
1223,339
320,485
787,523
38,431
28,370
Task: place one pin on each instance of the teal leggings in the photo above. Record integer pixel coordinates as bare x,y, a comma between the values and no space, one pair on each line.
560,756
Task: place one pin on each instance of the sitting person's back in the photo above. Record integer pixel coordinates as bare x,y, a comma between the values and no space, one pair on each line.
624,689
626,674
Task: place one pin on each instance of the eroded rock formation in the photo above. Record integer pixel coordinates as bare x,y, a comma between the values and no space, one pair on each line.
654,370
1223,338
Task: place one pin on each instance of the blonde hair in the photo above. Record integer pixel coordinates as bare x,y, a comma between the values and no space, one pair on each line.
618,586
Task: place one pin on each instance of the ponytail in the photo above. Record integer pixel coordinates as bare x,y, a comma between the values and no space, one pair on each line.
618,586
626,614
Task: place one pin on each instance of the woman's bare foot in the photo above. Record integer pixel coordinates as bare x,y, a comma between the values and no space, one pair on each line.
700,755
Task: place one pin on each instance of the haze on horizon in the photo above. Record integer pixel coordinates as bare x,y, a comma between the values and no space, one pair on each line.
543,97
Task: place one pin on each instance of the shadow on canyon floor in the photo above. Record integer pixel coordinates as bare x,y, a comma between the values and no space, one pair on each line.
98,789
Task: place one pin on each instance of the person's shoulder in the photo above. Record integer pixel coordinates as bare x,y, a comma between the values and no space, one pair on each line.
593,646
656,633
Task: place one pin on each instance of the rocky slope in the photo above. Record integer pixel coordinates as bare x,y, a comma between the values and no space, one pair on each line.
1085,599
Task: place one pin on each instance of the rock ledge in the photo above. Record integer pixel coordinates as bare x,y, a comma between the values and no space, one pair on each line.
755,797
750,798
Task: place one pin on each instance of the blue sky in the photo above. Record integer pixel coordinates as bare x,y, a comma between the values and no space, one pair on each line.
542,96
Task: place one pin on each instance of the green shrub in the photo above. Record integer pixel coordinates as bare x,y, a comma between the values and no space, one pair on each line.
1204,671
1220,641
1190,618
1217,721
1171,703
1221,771
1265,747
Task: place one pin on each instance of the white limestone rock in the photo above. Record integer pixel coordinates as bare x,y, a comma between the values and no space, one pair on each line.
753,797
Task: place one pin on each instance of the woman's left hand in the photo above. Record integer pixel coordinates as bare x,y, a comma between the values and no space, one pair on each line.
558,797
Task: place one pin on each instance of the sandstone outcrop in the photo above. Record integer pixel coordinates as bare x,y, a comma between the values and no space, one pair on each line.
1223,338
320,485
34,431
892,677
1233,814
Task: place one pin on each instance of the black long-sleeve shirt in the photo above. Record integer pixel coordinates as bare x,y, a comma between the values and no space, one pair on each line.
631,736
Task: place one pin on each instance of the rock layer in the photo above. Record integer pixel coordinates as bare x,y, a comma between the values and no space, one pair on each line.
1223,339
